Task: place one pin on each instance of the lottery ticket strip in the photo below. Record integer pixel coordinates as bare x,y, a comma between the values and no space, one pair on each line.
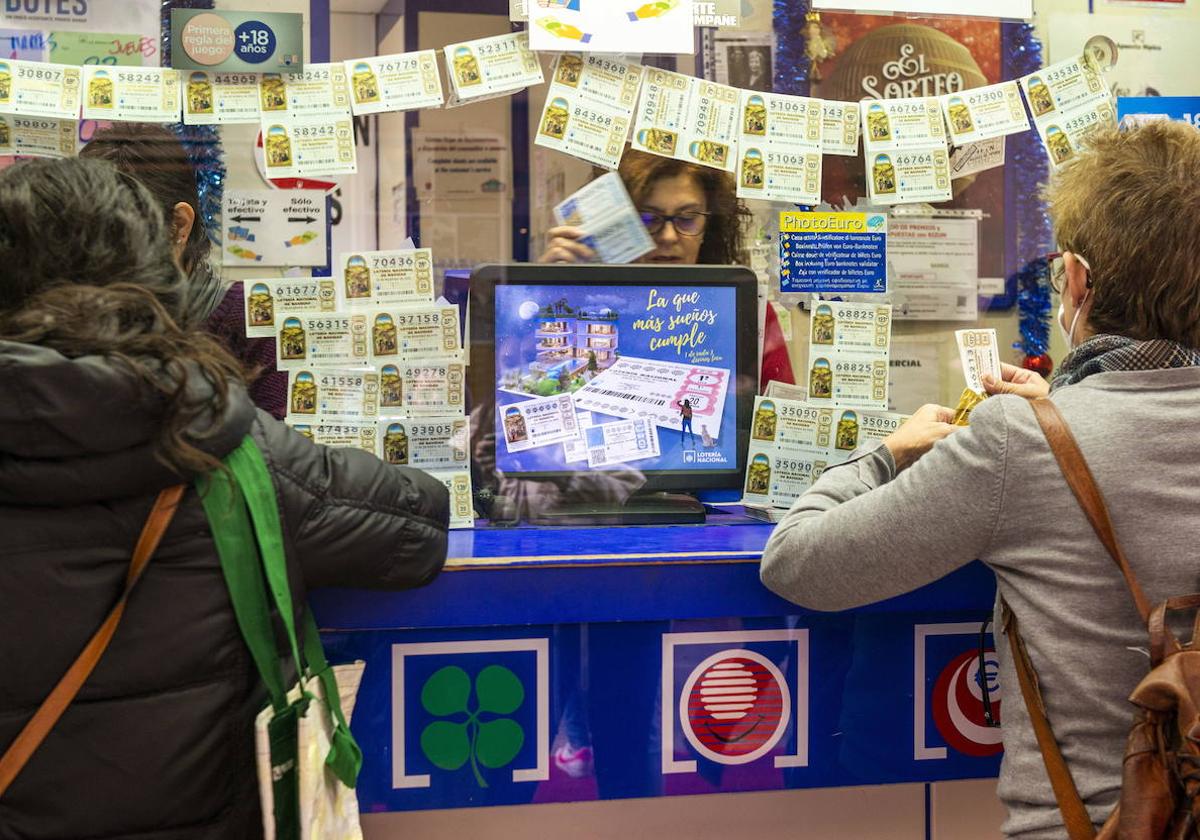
596,103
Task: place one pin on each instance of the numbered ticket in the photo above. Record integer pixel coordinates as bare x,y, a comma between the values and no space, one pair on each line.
611,224
338,434
372,278
830,433
984,113
135,94
980,354
840,128
1066,137
589,107
500,64
429,388
688,119
890,124
1063,87
576,449
394,82
431,444
320,90
780,148
910,176
40,89
637,387
847,379
620,442
269,300
333,339
308,146
462,505
415,332
861,327
346,394
777,477
220,98
542,421
38,136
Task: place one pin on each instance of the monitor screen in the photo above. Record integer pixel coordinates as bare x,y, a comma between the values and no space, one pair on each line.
622,368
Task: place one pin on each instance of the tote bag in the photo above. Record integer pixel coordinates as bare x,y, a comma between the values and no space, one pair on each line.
308,762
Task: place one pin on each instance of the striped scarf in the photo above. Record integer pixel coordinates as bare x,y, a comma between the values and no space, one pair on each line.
1106,353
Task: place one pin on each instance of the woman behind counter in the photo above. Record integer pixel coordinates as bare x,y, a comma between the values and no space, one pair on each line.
931,498
692,212
107,401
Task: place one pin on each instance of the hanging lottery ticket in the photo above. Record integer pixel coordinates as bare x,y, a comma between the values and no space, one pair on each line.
268,300
688,119
374,278
589,107
499,65
135,94
40,89
394,82
779,156
907,158
848,354
220,98
332,393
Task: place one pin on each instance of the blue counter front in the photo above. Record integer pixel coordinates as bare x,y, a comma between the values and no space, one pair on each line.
552,665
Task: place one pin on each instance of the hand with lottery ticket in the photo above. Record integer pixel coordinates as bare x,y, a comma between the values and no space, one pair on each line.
564,245
929,424
1017,380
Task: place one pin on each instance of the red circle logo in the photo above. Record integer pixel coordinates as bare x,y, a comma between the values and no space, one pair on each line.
735,707
958,705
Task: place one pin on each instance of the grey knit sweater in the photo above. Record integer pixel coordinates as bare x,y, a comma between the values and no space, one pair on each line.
993,491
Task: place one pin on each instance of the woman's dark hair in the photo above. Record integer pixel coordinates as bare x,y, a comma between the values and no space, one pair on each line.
723,237
108,285
153,154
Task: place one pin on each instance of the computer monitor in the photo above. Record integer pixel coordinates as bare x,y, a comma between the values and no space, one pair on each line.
658,364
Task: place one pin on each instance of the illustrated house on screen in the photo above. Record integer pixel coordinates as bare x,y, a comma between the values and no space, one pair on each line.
597,334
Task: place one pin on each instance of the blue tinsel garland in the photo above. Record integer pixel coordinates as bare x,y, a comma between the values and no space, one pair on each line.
1033,237
203,142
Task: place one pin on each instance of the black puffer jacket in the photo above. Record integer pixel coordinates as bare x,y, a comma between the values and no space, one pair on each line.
159,743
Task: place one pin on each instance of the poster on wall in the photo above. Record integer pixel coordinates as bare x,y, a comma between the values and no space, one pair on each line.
1156,56
1022,9
137,16
876,57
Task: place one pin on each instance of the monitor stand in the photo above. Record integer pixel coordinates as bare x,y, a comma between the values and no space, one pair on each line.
638,509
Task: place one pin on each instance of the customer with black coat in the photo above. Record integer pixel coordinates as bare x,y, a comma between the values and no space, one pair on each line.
105,401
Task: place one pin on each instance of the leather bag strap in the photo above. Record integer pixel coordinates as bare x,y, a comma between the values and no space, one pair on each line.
1083,484
1070,803
60,697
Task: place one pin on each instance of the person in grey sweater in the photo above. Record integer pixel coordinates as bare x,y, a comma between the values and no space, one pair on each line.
933,497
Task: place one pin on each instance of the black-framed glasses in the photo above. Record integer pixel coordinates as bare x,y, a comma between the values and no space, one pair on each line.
691,223
1056,271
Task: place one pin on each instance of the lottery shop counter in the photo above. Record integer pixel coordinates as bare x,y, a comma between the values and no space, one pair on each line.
566,664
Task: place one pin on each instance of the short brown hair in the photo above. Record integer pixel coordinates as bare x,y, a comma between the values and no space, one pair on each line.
1130,206
723,243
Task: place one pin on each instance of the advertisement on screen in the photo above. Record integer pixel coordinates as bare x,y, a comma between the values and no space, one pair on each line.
613,377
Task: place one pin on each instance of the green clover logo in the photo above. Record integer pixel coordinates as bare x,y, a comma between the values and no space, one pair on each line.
483,735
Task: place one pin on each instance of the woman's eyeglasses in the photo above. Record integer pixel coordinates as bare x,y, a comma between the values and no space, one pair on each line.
691,223
1056,270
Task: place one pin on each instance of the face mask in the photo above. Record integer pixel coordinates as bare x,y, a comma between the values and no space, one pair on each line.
1069,333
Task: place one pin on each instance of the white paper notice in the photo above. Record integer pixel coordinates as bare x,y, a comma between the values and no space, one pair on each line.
649,388
589,107
136,94
39,89
612,26
498,65
780,148
611,224
1010,9
687,119
394,82
212,98
273,227
934,268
